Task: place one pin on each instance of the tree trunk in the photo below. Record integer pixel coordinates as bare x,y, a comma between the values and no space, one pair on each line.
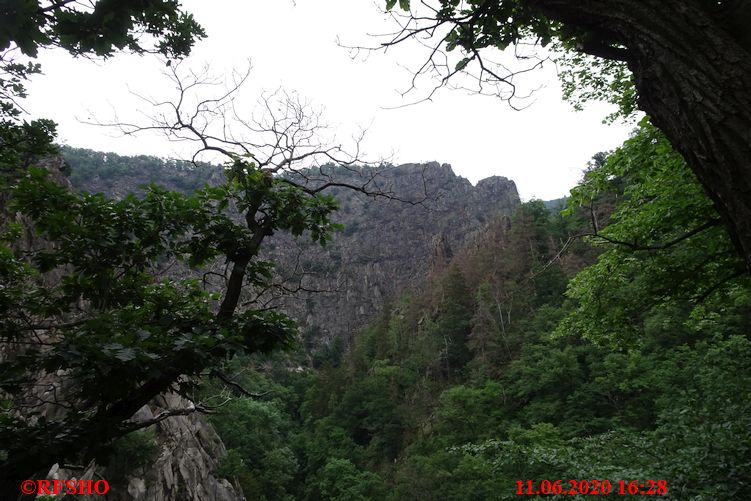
693,74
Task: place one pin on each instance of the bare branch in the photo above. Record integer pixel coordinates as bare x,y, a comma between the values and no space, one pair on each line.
234,384
284,136
430,29
712,223
130,426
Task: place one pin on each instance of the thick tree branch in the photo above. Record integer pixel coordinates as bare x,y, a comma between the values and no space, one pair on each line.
131,426
712,223
234,384
605,51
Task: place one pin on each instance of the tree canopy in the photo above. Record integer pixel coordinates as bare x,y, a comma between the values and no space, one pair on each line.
104,318
100,28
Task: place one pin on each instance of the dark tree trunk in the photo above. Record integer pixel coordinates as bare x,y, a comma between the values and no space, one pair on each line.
692,69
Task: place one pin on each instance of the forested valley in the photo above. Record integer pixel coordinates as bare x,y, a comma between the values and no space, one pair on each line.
284,319
541,350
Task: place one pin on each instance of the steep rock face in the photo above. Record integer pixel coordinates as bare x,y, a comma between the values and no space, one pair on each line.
189,452
387,245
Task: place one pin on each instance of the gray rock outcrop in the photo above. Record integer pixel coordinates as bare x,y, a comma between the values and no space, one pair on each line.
387,245
188,454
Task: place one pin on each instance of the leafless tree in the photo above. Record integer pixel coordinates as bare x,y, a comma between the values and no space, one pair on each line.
283,135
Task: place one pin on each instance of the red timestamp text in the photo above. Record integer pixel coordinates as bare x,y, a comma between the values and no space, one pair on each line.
592,487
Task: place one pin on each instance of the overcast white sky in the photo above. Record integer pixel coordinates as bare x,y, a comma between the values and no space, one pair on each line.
293,45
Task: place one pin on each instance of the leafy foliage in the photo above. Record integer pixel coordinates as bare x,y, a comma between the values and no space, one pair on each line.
586,78
665,242
101,29
256,433
131,452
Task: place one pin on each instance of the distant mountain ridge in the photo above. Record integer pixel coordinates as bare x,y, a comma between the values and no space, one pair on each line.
117,175
556,205
386,246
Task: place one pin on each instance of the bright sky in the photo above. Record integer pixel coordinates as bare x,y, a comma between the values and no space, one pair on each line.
293,45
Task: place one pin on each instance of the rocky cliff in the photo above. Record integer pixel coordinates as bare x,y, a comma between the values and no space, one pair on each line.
388,244
415,219
187,455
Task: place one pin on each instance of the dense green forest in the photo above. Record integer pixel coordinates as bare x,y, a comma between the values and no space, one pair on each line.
103,172
623,354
